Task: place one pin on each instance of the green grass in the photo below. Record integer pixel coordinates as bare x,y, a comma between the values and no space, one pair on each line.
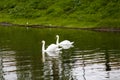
69,13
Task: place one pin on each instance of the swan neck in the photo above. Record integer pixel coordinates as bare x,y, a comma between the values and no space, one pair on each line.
57,42
43,47
43,56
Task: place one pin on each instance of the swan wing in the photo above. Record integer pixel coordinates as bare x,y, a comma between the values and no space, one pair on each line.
66,42
67,46
52,47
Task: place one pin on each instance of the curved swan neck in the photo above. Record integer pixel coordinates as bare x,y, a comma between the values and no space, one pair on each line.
57,41
43,46
43,51
43,56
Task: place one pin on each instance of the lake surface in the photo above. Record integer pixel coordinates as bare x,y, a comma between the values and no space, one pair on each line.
95,55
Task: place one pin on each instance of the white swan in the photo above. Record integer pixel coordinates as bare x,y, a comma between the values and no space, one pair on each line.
51,50
66,44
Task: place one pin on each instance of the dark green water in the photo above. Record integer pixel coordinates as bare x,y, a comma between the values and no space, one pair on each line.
95,55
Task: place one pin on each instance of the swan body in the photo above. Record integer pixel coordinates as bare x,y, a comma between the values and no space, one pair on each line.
52,49
66,44
53,53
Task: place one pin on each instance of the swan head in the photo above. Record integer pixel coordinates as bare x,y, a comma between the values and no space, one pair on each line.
57,36
43,41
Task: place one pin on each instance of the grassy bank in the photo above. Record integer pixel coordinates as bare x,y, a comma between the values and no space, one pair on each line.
69,13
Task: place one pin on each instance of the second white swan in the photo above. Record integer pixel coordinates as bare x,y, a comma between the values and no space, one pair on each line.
66,44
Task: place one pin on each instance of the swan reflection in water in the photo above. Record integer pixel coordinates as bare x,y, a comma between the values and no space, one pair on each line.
52,64
52,68
50,54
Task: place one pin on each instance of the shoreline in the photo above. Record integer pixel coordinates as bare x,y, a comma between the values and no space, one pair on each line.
6,24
